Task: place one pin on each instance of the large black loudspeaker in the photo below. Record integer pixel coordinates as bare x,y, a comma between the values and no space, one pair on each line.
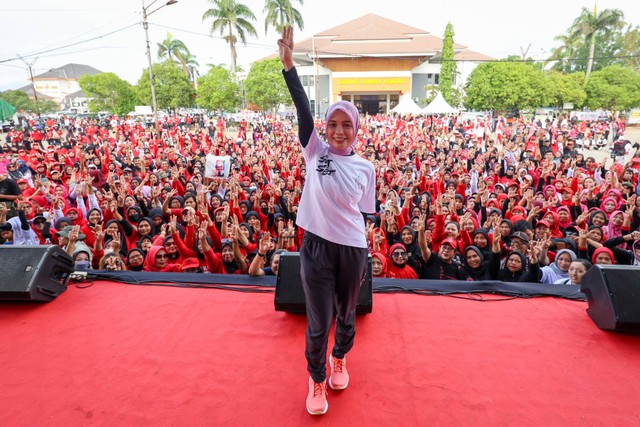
613,295
290,295
36,273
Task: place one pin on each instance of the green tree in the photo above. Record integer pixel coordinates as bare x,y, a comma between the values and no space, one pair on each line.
19,99
630,51
506,86
233,18
188,64
108,92
567,88
589,23
22,102
173,88
448,66
218,90
613,88
265,85
563,54
43,106
279,13
170,48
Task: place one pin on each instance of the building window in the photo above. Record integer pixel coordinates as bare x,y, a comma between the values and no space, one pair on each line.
437,79
312,105
304,80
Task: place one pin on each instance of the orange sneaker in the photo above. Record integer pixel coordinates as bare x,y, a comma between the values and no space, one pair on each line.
317,398
339,379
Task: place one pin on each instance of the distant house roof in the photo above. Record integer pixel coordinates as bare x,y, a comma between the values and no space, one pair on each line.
28,89
374,36
78,94
69,71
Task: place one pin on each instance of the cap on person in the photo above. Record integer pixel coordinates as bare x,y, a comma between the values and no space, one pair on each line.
39,219
190,262
543,222
451,242
520,235
65,232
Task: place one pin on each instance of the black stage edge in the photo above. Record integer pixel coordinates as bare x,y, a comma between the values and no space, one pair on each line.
426,287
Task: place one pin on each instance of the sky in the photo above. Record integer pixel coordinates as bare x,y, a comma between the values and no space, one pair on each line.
109,35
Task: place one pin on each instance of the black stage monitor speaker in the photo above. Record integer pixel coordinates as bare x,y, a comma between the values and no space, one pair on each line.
613,296
36,273
290,295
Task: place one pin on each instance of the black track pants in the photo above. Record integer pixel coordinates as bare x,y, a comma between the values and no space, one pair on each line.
330,272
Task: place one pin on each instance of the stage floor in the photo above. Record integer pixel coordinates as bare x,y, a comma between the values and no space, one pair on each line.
112,354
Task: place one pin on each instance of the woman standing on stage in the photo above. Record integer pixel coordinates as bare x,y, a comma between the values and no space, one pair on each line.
340,186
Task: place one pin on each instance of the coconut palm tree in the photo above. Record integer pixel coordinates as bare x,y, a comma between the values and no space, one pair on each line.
233,20
281,12
170,47
589,23
188,63
564,54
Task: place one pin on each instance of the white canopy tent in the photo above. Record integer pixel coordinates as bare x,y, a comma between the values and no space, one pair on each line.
439,106
406,106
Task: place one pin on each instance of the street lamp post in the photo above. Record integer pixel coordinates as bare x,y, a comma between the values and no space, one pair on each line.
145,25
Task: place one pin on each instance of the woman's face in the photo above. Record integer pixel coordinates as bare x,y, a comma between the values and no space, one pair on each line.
480,240
170,245
129,201
136,259
111,229
469,226
595,234
451,231
144,228
514,263
190,203
598,220
563,216
549,219
146,245
564,261
175,204
473,259
617,219
603,258
407,237
609,206
376,266
576,271
505,230
161,258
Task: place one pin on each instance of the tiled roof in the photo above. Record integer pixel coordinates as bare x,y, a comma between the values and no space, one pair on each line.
373,35
69,71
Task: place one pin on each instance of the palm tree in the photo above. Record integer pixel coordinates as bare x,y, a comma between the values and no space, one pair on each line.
564,54
188,63
589,23
234,18
170,47
281,12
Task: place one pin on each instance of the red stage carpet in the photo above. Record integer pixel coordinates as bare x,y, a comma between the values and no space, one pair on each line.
125,355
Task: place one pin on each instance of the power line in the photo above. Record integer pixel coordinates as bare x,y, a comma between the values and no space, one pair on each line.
73,44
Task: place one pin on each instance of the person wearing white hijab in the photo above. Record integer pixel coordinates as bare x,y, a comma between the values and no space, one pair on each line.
560,268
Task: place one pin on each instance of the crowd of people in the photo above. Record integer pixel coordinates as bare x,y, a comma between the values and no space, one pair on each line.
456,199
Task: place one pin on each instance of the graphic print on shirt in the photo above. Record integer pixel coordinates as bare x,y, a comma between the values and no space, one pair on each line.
324,166
359,184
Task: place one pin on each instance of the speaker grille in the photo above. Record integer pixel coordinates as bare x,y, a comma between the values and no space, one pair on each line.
19,267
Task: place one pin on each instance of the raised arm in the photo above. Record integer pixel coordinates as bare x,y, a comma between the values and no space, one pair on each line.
299,96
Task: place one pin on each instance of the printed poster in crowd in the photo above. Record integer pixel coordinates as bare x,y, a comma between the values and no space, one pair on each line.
217,166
